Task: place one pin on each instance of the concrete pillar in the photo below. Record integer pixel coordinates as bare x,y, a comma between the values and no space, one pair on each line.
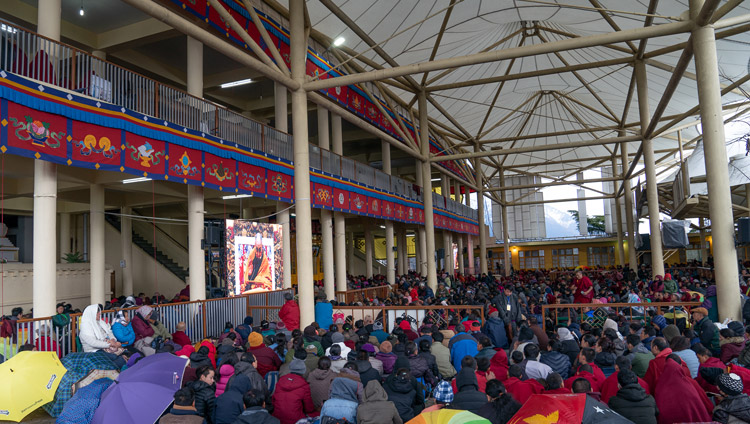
196,256
506,234
583,224
717,173
96,223
423,256
351,245
429,222
126,245
657,254
44,290
326,216
629,209
480,214
390,265
461,267
64,235
404,252
194,67
339,221
282,209
704,249
303,229
607,188
446,251
469,241
49,19
618,214
456,191
369,249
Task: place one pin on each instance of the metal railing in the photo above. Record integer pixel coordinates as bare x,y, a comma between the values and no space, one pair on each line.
351,296
565,313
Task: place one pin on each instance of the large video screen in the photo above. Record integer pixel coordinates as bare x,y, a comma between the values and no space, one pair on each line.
254,256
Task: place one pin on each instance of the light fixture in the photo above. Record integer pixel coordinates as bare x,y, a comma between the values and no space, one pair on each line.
136,180
81,12
435,179
382,226
235,196
236,83
339,41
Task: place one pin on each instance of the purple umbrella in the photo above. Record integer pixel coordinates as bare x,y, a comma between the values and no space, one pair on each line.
142,393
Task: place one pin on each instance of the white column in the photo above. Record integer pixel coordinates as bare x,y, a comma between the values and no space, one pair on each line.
583,224
480,214
369,249
97,243
49,19
618,214
704,249
445,187
44,291
302,206
64,235
469,241
351,246
126,245
339,220
429,223
629,209
194,67
506,235
423,256
403,252
607,188
657,255
326,216
196,256
390,266
282,209
717,173
460,243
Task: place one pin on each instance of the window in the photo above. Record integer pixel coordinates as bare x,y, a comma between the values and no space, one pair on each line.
601,257
565,258
531,259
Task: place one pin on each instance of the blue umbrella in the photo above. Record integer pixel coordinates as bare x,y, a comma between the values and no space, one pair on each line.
143,392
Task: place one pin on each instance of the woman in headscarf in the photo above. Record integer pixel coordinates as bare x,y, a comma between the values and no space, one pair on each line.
678,397
569,344
123,329
96,335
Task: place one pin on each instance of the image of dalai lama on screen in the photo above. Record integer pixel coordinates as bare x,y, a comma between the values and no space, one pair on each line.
256,271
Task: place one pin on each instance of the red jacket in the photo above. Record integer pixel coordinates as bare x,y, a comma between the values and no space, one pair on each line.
268,360
609,388
595,385
211,351
522,390
710,363
656,366
289,314
141,327
481,382
598,377
292,399
181,338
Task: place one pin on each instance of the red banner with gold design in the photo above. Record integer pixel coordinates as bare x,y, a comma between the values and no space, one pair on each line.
322,195
185,164
36,131
251,178
95,144
279,185
340,199
220,172
144,154
358,203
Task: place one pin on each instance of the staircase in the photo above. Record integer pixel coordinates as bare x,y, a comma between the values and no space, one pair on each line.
147,247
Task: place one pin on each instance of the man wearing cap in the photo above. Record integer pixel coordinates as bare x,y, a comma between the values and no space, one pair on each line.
735,405
706,330
268,360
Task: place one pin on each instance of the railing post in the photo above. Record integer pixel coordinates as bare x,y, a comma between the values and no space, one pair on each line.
156,99
204,312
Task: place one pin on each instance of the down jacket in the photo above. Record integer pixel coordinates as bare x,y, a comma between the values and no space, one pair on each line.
229,405
292,399
376,408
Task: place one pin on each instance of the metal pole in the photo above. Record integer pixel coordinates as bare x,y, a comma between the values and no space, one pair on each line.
506,234
480,213
326,216
657,254
717,173
303,230
618,215
628,196
429,223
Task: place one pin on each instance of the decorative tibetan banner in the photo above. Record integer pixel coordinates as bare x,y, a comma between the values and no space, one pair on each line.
93,144
37,134
251,178
220,173
388,210
144,155
279,185
340,199
375,207
185,164
358,203
322,195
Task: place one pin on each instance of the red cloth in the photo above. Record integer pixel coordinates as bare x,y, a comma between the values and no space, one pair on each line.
181,338
598,376
560,391
293,392
46,344
744,374
211,351
289,314
141,328
268,360
679,398
655,368
481,382
582,285
522,390
710,363
595,384
186,351
499,365
609,388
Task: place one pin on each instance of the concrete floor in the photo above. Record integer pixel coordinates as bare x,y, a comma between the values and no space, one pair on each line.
40,416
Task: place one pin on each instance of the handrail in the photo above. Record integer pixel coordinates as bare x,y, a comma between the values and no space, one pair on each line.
367,292
580,307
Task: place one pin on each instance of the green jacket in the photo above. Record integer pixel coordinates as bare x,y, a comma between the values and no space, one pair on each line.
161,330
670,286
640,363
443,358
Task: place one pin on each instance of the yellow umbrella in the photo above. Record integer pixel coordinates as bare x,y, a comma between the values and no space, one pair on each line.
29,380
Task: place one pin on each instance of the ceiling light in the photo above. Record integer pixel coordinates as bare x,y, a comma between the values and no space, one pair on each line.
8,28
435,179
136,180
236,83
382,226
339,41
81,12
235,196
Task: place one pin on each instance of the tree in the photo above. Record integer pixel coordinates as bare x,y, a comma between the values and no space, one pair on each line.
595,223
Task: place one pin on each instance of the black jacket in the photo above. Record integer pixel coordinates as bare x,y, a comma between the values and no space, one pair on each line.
421,368
229,405
501,303
733,409
501,410
205,399
469,397
256,415
406,394
570,348
560,363
197,360
431,363
633,403
367,373
256,380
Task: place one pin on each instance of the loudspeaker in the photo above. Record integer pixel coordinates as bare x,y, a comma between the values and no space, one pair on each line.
213,233
643,243
440,253
743,227
674,234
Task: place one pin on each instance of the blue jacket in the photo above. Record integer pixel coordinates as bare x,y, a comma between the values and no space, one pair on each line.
495,330
229,404
124,333
324,314
462,344
343,401
380,335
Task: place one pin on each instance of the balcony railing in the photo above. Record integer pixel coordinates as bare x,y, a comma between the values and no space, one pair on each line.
31,55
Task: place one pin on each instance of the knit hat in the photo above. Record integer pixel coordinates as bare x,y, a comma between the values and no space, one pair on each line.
310,331
367,347
337,337
670,332
731,384
475,326
297,366
377,326
443,392
710,374
737,327
255,339
702,311
405,325
402,362
493,311
386,346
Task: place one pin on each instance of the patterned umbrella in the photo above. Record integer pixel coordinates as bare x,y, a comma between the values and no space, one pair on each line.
448,416
79,365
